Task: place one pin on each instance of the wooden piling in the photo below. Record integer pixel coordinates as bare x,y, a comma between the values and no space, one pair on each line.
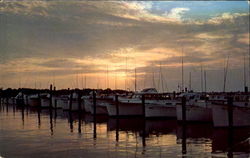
94,106
143,105
230,111
94,102
79,102
183,103
70,101
50,97
39,99
116,105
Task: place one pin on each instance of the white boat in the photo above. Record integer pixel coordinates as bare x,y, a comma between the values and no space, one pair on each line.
102,102
19,99
33,100
45,100
197,108
132,105
62,101
74,104
240,112
165,108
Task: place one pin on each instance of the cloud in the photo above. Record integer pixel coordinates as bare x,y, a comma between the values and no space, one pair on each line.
176,13
72,37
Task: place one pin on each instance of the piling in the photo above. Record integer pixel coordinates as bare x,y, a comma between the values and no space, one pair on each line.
230,111
39,99
7,104
116,105
94,106
50,97
143,105
70,100
79,102
0,98
55,108
183,103
55,103
94,102
79,122
117,130
71,122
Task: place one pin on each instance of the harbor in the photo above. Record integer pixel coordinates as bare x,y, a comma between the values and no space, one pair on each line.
116,79
71,129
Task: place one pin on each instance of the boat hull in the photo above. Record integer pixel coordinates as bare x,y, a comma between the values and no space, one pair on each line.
153,111
101,106
241,116
195,113
125,109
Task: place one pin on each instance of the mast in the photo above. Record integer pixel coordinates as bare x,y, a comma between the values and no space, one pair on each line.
205,80
190,81
126,73
135,79
201,78
244,71
115,80
107,76
249,69
182,72
85,82
162,86
225,74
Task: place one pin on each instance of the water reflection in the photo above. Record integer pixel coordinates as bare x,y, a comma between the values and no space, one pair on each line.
58,133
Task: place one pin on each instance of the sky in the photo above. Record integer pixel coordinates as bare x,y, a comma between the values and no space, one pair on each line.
107,44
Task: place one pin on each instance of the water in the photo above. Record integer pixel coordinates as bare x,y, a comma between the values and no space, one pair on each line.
33,133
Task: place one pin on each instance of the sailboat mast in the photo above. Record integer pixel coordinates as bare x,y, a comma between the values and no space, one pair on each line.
162,86
182,72
107,76
225,74
135,79
85,82
190,82
244,71
201,78
126,73
205,80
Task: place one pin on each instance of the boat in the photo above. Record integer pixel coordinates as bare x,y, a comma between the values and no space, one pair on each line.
45,100
62,101
74,103
33,100
131,105
240,111
197,107
19,99
103,101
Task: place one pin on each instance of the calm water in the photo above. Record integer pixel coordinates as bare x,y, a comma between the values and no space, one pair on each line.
30,133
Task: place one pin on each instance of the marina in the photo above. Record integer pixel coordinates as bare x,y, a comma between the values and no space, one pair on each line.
95,132
116,79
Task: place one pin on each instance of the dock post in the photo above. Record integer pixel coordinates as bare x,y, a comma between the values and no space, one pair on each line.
7,104
50,97
94,106
70,101
94,102
230,111
55,108
79,102
0,101
143,105
116,105
39,99
183,103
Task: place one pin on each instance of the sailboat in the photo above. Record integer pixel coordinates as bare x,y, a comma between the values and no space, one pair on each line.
240,108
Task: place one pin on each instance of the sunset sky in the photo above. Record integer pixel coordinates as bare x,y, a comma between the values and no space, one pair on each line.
65,42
